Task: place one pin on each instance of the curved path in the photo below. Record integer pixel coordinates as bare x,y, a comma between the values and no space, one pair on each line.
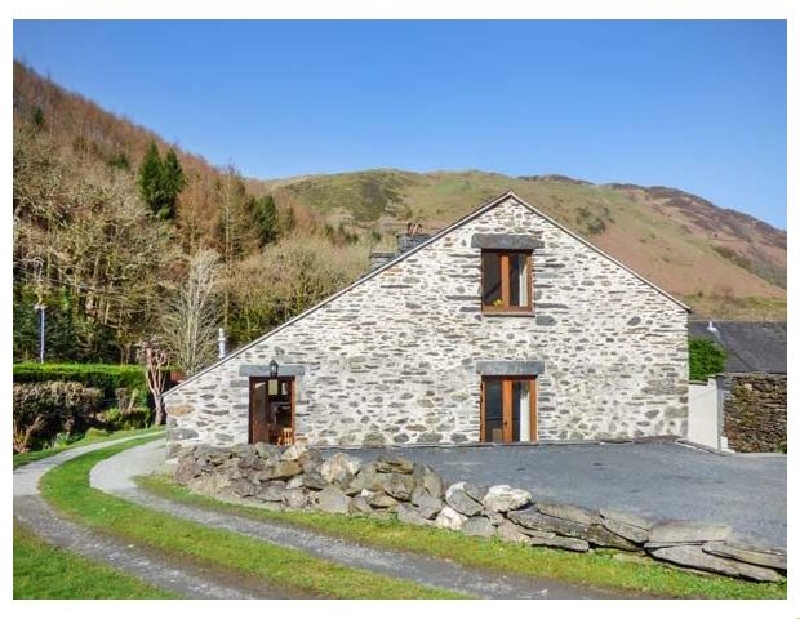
162,572
115,475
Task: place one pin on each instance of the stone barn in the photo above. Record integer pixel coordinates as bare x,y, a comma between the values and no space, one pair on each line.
504,327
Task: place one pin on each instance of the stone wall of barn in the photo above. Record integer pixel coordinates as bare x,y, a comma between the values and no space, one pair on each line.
395,359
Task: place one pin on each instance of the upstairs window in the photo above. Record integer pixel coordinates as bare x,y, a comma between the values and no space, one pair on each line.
506,281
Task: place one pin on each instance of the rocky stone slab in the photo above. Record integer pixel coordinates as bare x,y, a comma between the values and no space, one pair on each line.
475,492
310,460
333,500
678,533
187,470
359,505
244,488
408,514
564,511
693,556
558,541
449,518
314,481
272,492
400,486
457,498
293,451
378,500
504,498
627,518
339,468
390,464
284,470
209,484
427,505
478,526
296,498
510,532
538,523
748,553
431,481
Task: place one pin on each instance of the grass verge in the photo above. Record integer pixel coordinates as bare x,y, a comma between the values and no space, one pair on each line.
33,456
604,568
44,572
67,488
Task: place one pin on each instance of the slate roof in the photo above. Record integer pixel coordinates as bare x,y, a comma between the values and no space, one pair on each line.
751,346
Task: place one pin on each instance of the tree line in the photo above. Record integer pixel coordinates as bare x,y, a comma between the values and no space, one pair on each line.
122,253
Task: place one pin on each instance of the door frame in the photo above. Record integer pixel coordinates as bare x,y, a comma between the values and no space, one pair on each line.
507,394
258,379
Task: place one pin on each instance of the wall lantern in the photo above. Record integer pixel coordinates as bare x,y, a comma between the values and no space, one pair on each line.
273,368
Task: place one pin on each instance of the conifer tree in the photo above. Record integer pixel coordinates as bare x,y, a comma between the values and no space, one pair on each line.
150,178
173,181
160,181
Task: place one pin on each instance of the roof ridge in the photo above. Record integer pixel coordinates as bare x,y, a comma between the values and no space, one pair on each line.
599,251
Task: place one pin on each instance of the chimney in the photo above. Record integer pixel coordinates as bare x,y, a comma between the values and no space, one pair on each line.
409,239
221,344
378,258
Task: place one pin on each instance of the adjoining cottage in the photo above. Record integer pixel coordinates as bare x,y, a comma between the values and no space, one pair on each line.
503,327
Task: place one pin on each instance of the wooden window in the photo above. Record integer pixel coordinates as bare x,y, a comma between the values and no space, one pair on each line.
508,409
506,281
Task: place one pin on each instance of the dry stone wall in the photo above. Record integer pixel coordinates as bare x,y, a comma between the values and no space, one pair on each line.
298,479
395,359
755,412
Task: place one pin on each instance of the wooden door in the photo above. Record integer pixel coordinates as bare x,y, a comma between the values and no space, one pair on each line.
259,423
508,409
271,410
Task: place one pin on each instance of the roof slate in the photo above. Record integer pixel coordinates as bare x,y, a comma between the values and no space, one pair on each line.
751,346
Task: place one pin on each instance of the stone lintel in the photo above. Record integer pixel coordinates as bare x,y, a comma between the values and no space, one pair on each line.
284,369
506,241
509,368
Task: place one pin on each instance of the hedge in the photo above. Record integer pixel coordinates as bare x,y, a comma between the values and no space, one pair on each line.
106,378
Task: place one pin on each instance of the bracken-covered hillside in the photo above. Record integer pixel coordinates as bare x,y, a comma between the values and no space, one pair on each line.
74,158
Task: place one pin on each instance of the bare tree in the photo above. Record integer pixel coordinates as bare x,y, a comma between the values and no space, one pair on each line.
155,361
193,314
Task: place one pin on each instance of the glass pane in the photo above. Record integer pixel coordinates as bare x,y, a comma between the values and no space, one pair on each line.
492,411
283,414
259,401
519,280
492,282
520,410
272,386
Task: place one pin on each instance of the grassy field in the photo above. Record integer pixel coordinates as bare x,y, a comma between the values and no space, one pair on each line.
44,572
67,488
605,568
32,456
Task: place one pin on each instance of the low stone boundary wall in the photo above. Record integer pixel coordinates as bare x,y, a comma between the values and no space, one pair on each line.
755,412
296,478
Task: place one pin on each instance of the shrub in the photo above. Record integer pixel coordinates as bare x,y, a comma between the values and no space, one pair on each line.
43,410
706,358
127,419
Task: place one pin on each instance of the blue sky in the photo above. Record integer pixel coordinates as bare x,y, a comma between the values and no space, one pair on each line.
696,105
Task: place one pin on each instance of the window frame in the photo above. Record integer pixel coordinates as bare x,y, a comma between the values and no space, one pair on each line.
506,389
505,282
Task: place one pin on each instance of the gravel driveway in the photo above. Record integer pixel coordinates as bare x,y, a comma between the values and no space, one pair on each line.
661,480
